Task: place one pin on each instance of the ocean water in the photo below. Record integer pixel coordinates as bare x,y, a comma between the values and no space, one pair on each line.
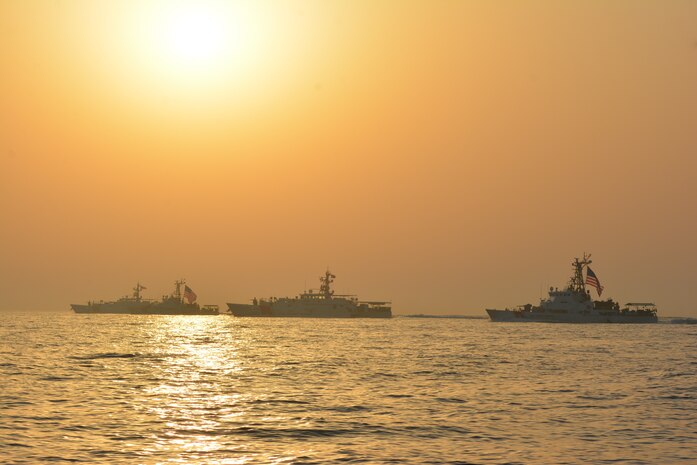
124,389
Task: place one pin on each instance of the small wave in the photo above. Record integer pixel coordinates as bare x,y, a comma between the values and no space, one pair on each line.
459,430
453,400
103,355
601,397
351,408
16,444
77,428
387,375
56,378
53,458
683,321
265,433
279,401
459,462
487,438
674,374
134,437
16,403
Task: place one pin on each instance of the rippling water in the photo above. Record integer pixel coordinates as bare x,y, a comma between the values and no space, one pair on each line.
220,390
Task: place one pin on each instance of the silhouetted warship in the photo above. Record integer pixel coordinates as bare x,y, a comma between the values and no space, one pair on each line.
179,303
314,304
134,303
574,304
173,304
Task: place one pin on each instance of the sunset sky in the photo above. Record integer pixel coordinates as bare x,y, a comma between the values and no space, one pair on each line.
448,156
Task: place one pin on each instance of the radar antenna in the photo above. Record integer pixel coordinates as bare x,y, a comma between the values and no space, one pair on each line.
136,291
178,288
325,287
576,283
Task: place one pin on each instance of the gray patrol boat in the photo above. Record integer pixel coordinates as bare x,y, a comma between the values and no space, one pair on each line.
314,304
177,303
133,303
575,305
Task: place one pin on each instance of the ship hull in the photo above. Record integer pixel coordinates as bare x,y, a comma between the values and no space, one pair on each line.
108,308
300,311
548,317
178,311
147,309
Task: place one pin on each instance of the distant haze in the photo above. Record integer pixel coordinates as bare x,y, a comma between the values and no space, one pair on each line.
447,156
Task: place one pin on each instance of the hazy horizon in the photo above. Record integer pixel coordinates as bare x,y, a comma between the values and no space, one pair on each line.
445,156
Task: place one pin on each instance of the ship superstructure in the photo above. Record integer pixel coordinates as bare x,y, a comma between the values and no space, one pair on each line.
575,305
180,303
322,303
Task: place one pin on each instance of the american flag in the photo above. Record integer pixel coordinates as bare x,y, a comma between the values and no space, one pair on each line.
592,280
189,295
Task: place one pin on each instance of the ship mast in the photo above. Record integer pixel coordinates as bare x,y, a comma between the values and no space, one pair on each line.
325,287
178,289
136,291
576,283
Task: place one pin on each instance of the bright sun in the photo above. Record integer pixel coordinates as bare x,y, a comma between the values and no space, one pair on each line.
194,35
198,44
180,57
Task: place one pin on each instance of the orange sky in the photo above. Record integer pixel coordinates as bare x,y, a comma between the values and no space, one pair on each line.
449,156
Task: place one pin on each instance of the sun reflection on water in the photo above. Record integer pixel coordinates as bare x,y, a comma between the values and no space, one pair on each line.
187,396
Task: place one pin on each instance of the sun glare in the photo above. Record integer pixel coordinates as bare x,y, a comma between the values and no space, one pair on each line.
198,44
184,58
193,35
